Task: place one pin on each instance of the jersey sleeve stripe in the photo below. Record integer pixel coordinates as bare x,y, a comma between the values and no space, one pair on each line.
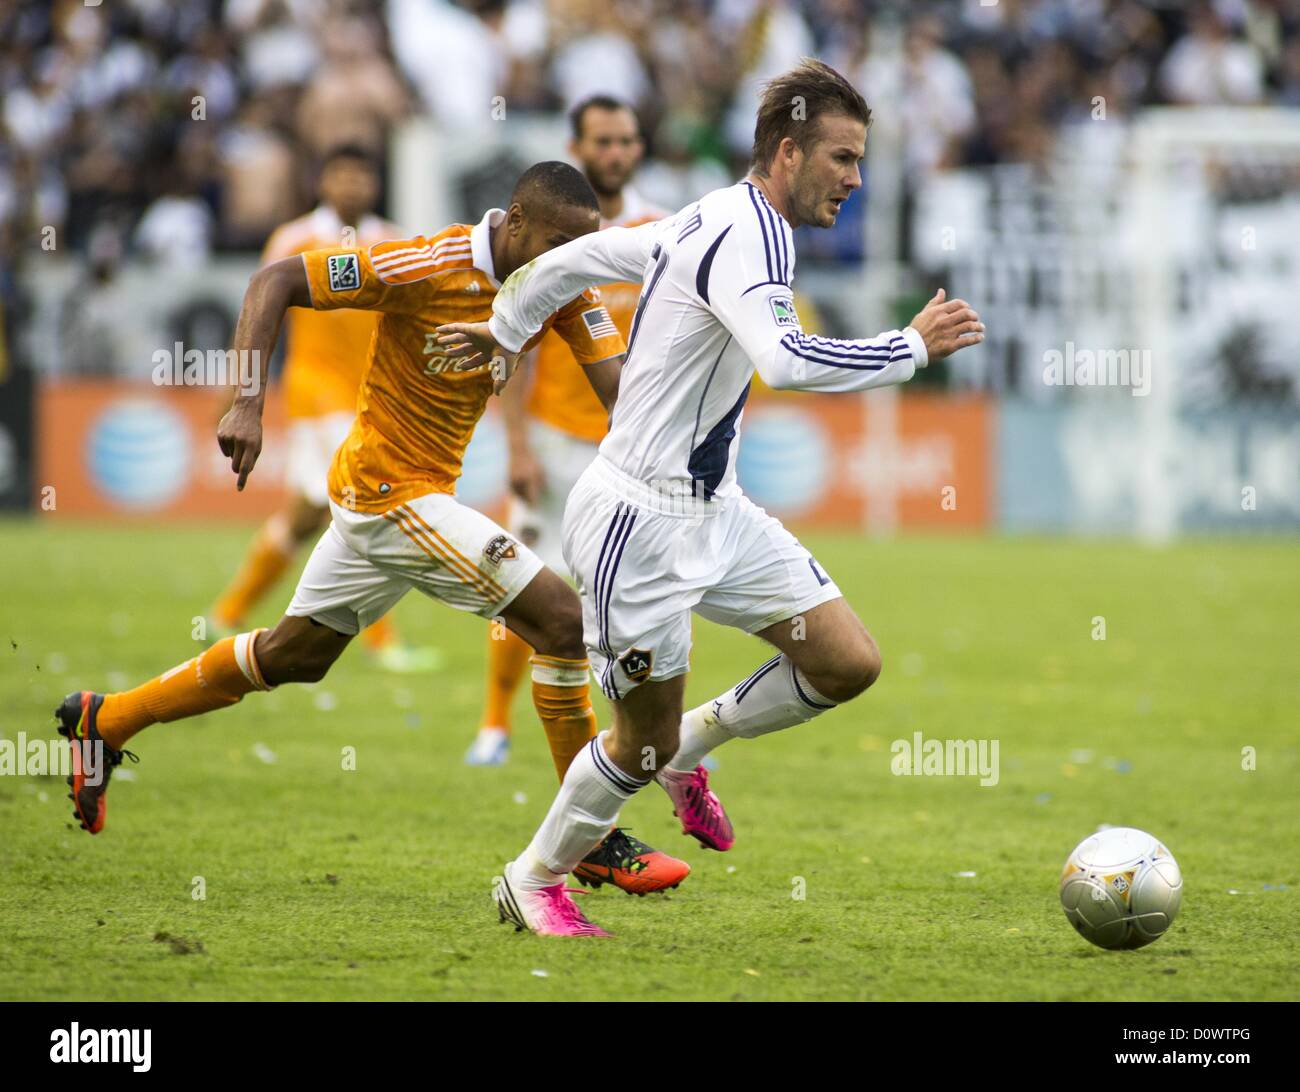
762,225
431,265
778,239
816,340
409,254
842,360
782,238
845,350
402,253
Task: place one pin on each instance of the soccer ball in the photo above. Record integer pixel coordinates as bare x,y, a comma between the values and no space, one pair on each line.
1121,888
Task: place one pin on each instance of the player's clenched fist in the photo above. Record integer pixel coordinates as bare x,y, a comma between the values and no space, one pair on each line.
240,437
947,325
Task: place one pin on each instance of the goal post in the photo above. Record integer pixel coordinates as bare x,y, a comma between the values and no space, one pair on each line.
1219,162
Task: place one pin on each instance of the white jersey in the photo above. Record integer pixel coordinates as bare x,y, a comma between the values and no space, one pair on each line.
715,305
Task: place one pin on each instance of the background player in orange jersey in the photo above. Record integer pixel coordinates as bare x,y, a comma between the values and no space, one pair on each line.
554,422
324,361
396,524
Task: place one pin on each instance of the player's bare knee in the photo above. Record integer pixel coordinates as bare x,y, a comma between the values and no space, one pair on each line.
562,629
288,653
850,673
865,665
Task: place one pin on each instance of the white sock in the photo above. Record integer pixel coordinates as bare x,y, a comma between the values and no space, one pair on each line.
590,798
700,732
778,695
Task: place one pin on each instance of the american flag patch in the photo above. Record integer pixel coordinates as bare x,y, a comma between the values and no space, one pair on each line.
599,324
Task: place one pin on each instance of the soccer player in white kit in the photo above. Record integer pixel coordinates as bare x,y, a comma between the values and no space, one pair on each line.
658,526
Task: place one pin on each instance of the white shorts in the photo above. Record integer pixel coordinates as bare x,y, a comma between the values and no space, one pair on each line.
563,458
643,562
364,563
312,443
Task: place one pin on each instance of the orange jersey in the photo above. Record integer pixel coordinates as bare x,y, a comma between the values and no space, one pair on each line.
561,395
327,350
415,414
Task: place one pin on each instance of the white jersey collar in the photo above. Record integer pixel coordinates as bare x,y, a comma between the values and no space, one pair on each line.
480,243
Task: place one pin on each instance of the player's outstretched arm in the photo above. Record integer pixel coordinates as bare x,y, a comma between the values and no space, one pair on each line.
765,324
272,290
536,291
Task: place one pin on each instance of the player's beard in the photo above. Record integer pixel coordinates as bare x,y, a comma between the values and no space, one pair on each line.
811,200
608,183
808,201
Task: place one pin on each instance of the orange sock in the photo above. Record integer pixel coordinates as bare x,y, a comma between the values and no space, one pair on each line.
563,702
213,679
507,659
379,634
269,555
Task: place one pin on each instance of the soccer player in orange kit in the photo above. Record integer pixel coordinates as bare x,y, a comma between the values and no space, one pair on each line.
324,361
554,421
396,524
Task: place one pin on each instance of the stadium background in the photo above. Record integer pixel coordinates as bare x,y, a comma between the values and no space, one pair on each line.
1093,176
147,149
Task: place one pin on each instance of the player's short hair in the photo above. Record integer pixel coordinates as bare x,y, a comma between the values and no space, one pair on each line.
793,100
550,184
597,102
356,152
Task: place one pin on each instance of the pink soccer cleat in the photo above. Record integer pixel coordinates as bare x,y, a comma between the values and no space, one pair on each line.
698,807
548,911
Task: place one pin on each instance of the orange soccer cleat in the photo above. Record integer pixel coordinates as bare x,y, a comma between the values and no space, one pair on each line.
631,865
93,760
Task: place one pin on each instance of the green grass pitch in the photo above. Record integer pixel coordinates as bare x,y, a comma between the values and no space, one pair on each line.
324,883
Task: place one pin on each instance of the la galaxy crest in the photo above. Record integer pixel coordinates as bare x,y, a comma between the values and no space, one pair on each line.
636,664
